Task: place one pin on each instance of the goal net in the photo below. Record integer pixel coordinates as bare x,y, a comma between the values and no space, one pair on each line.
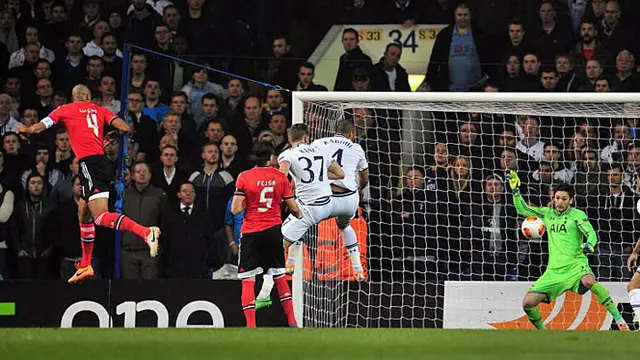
439,221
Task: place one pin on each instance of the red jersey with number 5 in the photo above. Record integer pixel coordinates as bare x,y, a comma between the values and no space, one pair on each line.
264,189
85,124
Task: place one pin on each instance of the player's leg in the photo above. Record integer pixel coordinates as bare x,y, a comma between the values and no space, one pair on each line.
247,270
530,307
344,209
273,259
264,297
99,209
589,282
634,296
293,229
87,237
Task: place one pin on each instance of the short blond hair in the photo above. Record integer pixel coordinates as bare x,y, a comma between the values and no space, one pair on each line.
81,93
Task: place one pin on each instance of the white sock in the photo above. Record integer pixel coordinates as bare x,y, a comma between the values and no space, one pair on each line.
267,285
351,243
634,300
293,252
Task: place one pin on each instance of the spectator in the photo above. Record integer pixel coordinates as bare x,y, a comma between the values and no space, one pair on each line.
63,154
474,146
549,79
460,70
63,190
560,172
7,122
518,44
16,162
596,12
171,17
58,27
199,23
95,70
139,75
538,188
278,127
531,67
436,170
352,59
588,48
8,34
247,128
198,87
214,132
179,71
361,80
359,12
13,88
111,56
236,98
91,10
620,139
568,81
145,132
232,227
31,231
166,175
67,233
275,102
210,111
602,84
229,162
588,178
495,234
214,183
530,145
152,106
71,70
306,73
6,210
45,168
632,169
614,34
188,234
512,79
616,217
44,97
147,205
440,12
388,74
554,35
180,104
18,57
141,22
107,90
626,79
94,47
285,66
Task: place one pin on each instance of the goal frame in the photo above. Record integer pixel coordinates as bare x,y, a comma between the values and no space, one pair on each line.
299,97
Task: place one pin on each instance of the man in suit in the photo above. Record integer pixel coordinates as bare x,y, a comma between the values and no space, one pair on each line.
187,234
166,175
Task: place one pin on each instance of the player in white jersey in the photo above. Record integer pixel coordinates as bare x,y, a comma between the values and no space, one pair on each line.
346,192
312,172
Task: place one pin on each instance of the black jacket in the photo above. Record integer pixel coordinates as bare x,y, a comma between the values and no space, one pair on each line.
67,234
158,180
380,80
350,61
32,226
186,240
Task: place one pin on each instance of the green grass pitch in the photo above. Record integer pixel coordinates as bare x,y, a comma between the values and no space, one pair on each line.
325,344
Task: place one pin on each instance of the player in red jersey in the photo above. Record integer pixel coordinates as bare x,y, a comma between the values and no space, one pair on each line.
85,123
261,190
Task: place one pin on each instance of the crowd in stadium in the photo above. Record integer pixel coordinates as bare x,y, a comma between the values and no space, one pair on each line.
196,125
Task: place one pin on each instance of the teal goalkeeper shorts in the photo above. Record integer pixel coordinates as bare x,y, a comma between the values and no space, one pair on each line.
555,282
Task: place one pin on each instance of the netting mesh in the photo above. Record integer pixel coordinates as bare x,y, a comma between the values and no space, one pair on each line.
438,206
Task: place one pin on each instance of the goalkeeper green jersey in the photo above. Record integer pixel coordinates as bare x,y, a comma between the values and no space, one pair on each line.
565,232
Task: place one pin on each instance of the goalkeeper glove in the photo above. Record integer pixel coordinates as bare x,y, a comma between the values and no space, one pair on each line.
514,181
587,248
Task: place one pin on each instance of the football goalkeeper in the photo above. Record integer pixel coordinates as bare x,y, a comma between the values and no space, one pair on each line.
568,268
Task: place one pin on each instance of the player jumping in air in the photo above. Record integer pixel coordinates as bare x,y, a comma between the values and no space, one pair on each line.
260,191
312,172
568,268
85,123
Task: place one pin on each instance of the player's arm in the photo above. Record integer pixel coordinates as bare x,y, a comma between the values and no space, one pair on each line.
121,125
335,172
293,207
284,167
35,128
585,227
633,257
288,198
238,203
363,179
522,207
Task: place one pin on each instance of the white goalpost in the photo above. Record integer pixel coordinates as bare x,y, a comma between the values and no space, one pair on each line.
438,211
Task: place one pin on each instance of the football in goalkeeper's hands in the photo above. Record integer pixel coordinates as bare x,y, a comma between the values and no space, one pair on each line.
533,228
